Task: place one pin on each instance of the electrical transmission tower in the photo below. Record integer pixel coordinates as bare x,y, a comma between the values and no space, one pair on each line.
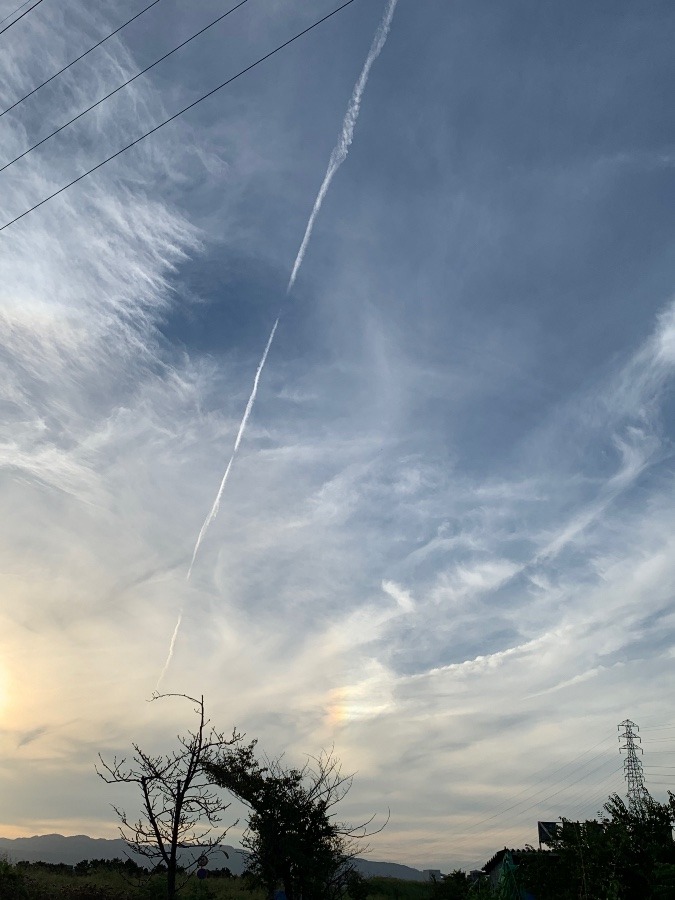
632,766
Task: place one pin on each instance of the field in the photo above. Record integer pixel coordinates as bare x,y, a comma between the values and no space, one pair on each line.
42,882
38,882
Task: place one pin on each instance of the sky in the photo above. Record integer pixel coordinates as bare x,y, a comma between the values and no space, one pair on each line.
446,545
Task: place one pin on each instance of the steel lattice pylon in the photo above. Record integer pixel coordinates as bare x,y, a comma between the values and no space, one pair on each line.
632,767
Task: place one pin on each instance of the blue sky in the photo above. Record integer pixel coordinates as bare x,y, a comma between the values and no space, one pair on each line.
446,543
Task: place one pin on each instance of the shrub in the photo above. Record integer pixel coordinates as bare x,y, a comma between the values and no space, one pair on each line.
12,885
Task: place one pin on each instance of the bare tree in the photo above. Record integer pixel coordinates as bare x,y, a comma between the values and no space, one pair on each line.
180,809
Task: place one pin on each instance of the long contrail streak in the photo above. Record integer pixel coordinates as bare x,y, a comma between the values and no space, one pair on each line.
341,149
216,503
169,655
337,157
242,427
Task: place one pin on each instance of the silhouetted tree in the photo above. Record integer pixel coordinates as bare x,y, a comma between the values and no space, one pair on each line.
626,854
179,807
293,837
12,882
454,886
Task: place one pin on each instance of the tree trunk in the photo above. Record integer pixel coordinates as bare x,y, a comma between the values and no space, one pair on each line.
171,874
288,885
171,882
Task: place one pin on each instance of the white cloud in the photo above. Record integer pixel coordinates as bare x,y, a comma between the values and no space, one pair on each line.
400,595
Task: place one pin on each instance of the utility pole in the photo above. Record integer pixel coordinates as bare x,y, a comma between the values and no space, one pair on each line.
632,766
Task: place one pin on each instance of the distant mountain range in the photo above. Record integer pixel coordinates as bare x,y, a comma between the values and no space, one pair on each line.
55,848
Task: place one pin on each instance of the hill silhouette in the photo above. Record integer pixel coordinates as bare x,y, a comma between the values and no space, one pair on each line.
71,849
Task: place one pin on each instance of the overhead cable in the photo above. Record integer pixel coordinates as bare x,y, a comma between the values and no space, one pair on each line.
119,88
7,27
462,840
179,113
81,56
530,789
9,15
537,798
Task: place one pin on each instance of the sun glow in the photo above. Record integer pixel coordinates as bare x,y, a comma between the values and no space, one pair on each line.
354,702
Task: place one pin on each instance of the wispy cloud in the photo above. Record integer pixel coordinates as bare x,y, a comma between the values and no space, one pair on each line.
453,520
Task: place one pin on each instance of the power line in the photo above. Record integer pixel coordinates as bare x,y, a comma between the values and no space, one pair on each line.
539,802
538,799
119,88
81,56
546,778
179,113
9,15
7,27
600,797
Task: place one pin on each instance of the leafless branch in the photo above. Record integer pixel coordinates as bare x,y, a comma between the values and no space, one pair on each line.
180,809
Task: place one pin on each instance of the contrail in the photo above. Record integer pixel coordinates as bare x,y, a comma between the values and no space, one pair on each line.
341,149
216,503
247,412
171,647
337,157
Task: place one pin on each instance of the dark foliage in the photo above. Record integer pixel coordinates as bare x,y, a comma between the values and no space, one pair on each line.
293,837
57,868
627,854
399,889
12,882
455,886
124,866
